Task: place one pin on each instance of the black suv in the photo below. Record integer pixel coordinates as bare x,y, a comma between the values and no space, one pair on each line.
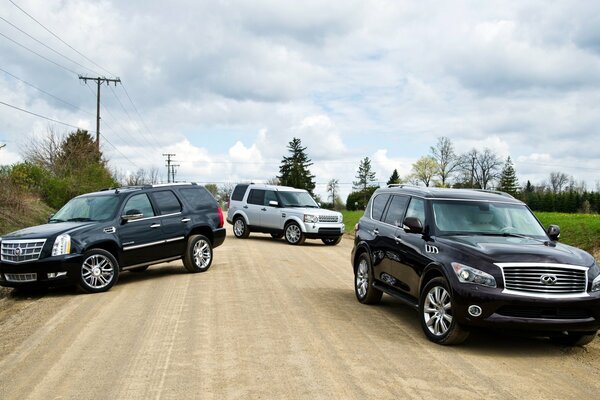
95,236
467,258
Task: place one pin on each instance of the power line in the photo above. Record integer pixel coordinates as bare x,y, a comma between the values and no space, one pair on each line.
137,112
46,46
38,54
41,116
119,151
62,41
99,81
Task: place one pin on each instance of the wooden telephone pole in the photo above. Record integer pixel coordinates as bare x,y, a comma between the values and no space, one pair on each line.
99,81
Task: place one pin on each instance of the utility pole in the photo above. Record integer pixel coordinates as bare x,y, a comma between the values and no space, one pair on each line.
169,160
173,171
99,81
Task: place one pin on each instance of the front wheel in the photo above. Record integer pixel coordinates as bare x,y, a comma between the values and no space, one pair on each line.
293,234
575,338
331,241
437,314
99,271
198,254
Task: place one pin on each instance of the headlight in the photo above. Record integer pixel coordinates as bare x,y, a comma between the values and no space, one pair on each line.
62,245
341,218
468,274
596,284
311,218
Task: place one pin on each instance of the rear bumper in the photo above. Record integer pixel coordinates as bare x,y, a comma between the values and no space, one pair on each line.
65,270
218,237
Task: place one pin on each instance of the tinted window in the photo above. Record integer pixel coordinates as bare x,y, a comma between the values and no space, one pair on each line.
395,214
167,202
256,196
198,198
378,206
238,192
416,209
139,204
270,196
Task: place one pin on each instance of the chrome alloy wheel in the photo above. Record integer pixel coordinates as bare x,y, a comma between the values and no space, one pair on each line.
238,227
362,278
202,254
97,271
437,311
293,233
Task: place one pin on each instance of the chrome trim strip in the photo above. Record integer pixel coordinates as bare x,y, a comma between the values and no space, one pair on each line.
139,246
151,262
16,241
153,217
584,293
175,239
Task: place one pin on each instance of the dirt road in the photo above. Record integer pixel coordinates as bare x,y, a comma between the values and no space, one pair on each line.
267,321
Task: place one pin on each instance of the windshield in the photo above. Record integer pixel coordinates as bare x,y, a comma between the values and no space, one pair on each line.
297,199
89,208
485,218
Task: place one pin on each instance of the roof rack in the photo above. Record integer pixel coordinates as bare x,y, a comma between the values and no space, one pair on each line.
498,192
402,185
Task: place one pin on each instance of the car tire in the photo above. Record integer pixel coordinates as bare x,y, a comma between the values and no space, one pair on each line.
240,228
293,234
139,269
331,241
436,314
575,338
276,235
363,281
198,254
99,271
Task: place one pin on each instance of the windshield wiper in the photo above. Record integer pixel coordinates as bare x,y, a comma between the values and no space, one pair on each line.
56,220
80,219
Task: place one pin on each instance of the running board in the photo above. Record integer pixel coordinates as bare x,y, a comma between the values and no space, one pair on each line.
406,299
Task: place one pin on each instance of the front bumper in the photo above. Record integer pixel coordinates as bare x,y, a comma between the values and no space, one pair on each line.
41,272
517,312
319,230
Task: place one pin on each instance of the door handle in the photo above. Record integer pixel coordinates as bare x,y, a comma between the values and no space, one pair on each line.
397,239
245,206
185,220
263,209
155,226
375,231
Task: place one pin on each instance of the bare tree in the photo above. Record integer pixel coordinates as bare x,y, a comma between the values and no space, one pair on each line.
447,160
487,169
45,151
558,181
273,181
225,191
424,169
153,176
333,187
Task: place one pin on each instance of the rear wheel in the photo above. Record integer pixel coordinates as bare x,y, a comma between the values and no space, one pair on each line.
363,282
198,254
240,228
575,338
293,234
437,314
99,271
331,241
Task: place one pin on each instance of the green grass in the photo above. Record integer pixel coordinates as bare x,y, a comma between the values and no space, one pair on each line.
579,230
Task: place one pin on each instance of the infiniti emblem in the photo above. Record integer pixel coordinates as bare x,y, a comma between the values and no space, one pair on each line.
548,279
17,252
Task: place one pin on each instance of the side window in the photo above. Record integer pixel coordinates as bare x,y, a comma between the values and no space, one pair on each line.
378,206
270,196
416,209
167,202
139,204
198,198
395,213
238,192
256,196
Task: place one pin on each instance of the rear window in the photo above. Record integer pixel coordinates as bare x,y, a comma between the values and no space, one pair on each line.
198,198
256,196
238,192
378,206
167,202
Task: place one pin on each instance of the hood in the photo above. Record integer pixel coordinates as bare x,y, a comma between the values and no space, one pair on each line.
499,249
45,231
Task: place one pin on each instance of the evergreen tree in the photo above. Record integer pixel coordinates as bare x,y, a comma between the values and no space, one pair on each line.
294,171
508,178
394,179
365,175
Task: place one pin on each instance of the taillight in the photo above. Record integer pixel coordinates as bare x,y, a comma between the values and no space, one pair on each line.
221,221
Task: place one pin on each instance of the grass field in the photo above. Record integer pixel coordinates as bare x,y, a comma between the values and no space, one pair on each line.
579,230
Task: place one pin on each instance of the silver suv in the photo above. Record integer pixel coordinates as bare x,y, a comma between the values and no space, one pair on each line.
283,212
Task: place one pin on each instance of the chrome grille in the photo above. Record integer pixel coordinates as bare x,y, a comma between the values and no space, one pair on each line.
21,277
328,218
18,251
544,279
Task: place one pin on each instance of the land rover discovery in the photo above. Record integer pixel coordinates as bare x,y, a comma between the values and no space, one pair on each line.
467,258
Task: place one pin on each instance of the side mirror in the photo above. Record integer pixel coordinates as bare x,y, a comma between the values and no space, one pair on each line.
274,203
132,215
412,225
553,232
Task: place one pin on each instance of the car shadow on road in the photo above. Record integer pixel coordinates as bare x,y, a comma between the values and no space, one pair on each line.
282,242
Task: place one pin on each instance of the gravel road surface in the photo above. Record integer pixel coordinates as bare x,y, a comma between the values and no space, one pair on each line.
267,321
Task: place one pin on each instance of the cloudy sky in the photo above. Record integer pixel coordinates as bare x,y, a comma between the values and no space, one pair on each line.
225,85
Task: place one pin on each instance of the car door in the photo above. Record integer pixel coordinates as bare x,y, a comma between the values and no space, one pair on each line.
173,223
409,267
377,231
391,223
271,215
140,238
254,206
